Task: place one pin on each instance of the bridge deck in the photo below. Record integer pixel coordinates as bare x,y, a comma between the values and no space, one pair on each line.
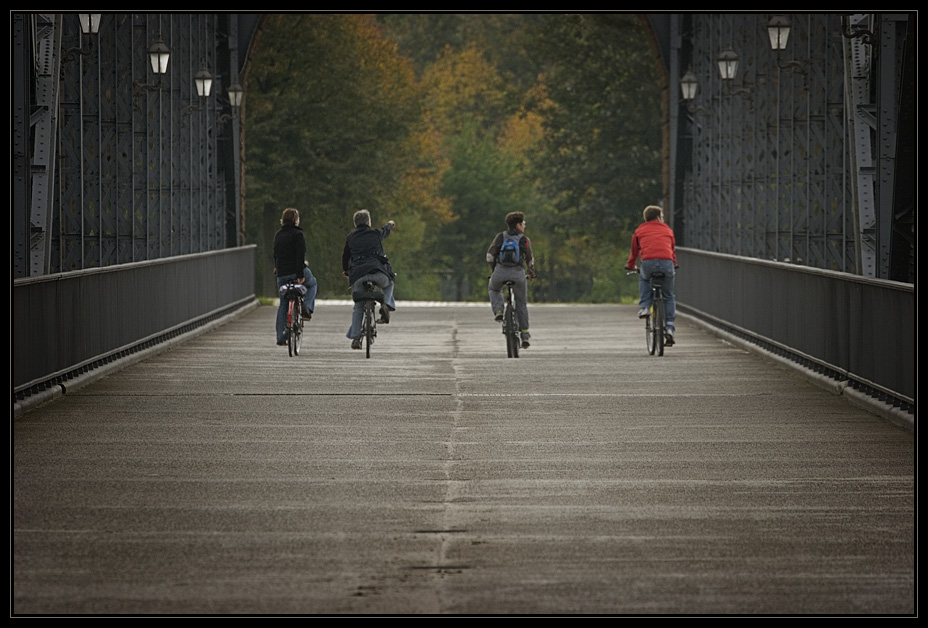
439,477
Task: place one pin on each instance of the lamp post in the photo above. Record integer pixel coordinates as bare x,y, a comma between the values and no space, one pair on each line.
778,31
688,87
90,24
158,57
236,94
728,68
204,84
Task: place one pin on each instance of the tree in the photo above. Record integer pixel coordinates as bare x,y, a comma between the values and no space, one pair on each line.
601,160
332,120
445,122
466,104
603,120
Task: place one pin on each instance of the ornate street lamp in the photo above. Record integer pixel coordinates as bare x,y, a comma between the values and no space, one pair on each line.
204,81
778,30
236,93
90,23
688,85
728,64
159,55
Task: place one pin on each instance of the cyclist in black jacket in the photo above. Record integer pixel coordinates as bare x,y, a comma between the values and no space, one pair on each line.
290,266
363,259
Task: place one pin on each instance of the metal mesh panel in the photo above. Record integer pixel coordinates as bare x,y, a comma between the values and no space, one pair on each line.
138,168
769,148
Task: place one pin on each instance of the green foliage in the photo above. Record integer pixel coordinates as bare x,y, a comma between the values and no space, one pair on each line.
500,37
446,122
483,188
330,110
602,161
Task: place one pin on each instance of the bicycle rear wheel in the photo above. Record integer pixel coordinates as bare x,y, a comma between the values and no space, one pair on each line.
649,336
660,325
292,312
511,331
296,331
368,327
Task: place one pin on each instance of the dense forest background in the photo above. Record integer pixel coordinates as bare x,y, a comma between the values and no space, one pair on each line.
444,123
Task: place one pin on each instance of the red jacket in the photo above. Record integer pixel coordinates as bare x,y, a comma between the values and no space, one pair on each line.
652,240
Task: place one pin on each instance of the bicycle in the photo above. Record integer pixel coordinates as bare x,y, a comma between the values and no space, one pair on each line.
655,324
510,324
294,293
370,297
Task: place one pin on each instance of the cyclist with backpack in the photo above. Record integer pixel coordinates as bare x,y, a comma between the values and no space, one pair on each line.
510,259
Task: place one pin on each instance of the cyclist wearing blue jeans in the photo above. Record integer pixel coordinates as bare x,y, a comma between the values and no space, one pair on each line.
290,266
654,243
363,260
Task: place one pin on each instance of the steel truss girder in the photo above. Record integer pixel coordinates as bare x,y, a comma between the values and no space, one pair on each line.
891,103
767,175
43,116
123,168
862,123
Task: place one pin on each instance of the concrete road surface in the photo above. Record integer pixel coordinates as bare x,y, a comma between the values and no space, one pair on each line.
441,478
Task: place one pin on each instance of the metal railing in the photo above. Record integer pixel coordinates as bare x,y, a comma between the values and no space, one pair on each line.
67,323
844,326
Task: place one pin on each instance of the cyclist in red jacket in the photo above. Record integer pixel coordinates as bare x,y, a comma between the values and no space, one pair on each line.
654,243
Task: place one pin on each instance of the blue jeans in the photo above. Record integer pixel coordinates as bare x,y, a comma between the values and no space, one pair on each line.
309,300
665,266
357,314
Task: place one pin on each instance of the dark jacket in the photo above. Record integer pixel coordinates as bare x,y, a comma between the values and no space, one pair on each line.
289,251
363,253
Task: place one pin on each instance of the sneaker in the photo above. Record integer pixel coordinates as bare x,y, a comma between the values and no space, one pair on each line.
356,343
644,313
525,340
281,343
307,313
384,315
498,316
668,339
